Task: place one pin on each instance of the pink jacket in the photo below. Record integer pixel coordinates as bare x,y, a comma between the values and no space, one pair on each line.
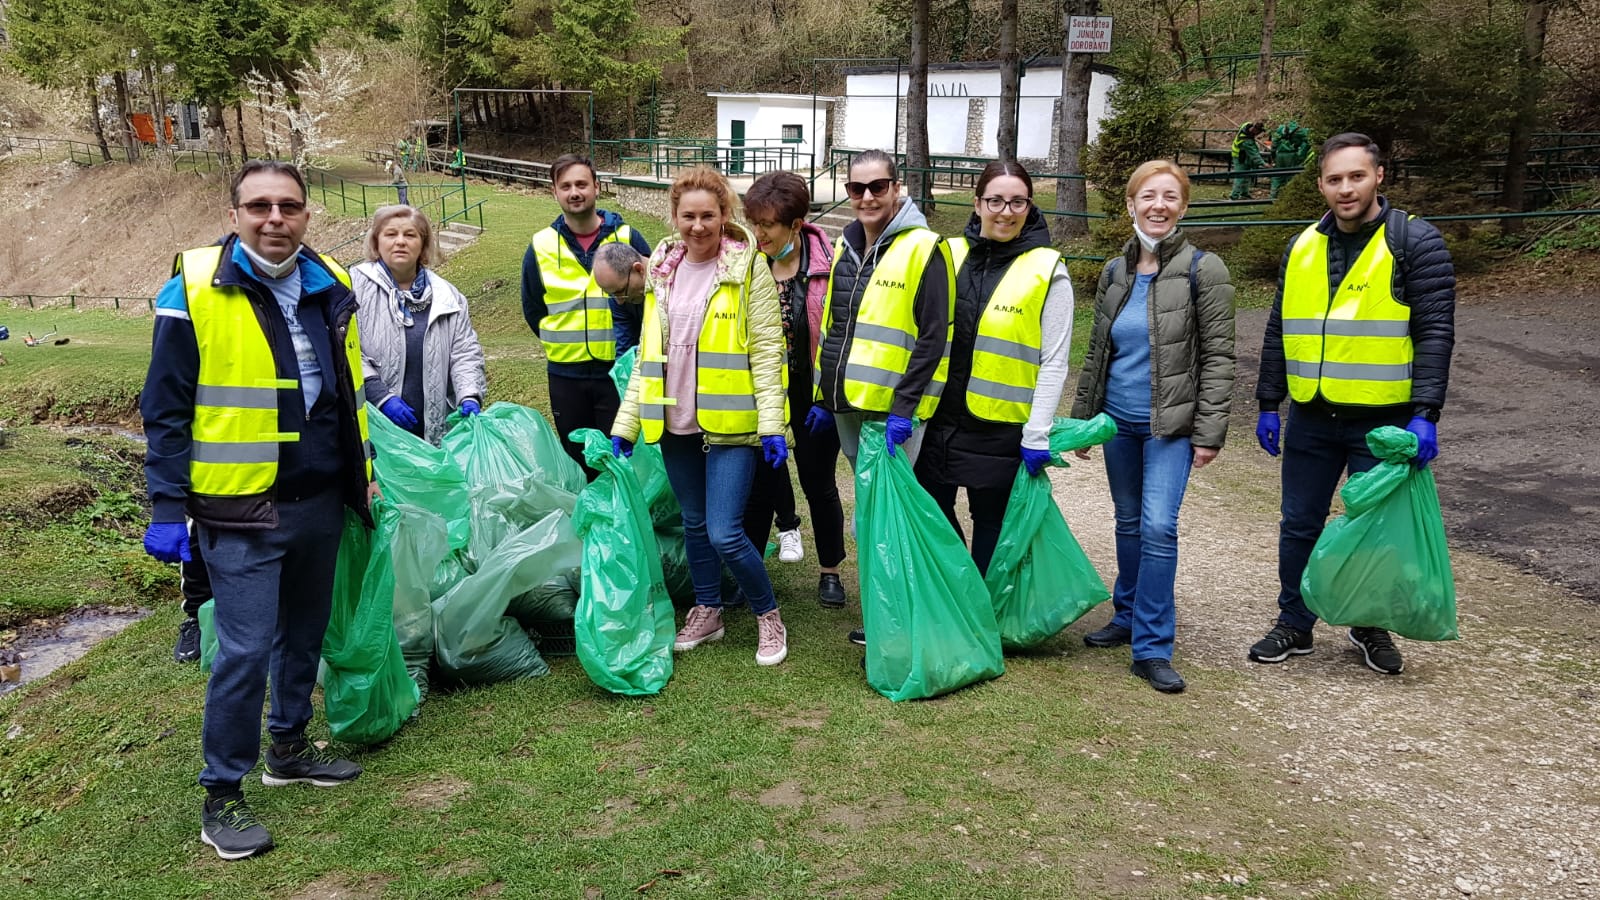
821,264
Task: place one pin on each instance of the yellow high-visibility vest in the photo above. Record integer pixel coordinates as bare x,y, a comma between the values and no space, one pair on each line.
234,437
577,325
1010,339
886,324
1353,346
725,388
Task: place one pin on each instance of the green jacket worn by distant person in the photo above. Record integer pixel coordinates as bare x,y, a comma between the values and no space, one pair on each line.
1246,152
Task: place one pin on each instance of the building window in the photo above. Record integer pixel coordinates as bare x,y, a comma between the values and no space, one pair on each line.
793,134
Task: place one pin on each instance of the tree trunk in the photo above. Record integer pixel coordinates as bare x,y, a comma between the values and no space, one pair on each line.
92,94
238,117
1269,15
217,127
1010,81
157,118
297,137
1174,33
130,141
918,184
1513,194
1205,48
1072,132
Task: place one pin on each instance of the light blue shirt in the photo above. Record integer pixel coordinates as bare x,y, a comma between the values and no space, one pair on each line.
1128,383
286,291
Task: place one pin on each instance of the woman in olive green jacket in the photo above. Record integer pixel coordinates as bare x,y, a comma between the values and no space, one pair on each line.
711,365
1161,364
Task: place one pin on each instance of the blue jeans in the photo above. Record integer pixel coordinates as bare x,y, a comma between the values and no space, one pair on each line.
1318,447
274,591
1148,478
712,483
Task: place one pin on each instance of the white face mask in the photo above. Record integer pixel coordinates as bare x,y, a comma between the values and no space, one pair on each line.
1146,241
268,269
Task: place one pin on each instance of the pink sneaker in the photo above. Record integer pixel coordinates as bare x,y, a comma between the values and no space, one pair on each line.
772,639
702,625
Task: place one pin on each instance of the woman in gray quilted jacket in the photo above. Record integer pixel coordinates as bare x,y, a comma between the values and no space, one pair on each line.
420,355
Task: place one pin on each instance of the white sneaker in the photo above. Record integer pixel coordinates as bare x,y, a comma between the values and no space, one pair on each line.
772,640
790,549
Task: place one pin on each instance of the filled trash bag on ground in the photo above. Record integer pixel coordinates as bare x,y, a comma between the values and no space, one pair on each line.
413,472
1039,578
208,633
475,641
648,466
502,509
366,691
930,625
505,444
624,622
450,570
418,546
1385,563
552,602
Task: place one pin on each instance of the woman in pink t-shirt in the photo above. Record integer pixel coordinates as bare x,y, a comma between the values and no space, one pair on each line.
712,324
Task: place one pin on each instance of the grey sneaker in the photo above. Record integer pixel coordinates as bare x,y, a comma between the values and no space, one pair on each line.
228,826
772,641
306,763
702,625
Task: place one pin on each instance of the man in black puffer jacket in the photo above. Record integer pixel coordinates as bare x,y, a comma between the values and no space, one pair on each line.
1368,347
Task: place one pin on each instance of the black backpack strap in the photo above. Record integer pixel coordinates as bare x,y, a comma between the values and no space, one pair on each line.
1396,231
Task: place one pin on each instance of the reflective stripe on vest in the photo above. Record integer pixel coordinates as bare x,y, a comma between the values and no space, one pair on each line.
725,388
1010,337
885,329
1354,347
234,437
577,324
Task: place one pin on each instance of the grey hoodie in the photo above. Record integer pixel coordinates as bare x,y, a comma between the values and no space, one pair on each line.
852,272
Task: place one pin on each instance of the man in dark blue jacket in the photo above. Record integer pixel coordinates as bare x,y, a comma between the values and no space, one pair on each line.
1360,336
256,429
583,330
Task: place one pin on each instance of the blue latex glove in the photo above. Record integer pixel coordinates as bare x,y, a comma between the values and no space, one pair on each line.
1035,460
470,408
896,431
167,541
1427,440
819,420
1269,429
399,412
620,447
774,450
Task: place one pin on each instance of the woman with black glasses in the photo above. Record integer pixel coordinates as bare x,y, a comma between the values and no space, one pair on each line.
1008,359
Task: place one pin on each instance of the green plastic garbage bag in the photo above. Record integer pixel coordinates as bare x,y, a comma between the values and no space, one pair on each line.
417,548
208,634
1384,563
413,472
450,570
506,443
1039,578
366,691
550,604
648,465
502,509
930,625
475,641
624,622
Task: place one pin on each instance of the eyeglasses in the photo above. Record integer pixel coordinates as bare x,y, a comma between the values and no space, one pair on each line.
290,209
876,187
1015,204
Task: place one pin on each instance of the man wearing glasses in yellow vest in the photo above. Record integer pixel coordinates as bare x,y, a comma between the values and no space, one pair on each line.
256,427
1360,336
582,329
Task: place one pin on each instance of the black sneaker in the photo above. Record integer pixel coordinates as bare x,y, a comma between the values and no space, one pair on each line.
858,637
228,826
1281,643
830,591
306,763
1160,674
188,648
1113,635
1379,650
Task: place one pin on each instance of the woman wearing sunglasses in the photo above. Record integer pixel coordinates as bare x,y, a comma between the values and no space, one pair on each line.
419,352
709,389
1008,359
1161,364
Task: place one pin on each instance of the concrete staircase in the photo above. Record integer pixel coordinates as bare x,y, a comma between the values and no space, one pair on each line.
455,236
834,221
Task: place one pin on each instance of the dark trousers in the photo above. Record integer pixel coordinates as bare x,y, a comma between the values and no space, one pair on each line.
816,459
988,506
274,591
193,580
582,403
1319,446
771,500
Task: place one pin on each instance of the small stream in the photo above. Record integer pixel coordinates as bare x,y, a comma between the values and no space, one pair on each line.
47,647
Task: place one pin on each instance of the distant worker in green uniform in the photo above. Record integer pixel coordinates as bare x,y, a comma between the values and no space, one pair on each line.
1291,149
1246,156
458,162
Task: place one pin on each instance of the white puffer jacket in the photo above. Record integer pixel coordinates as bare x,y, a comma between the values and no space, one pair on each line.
452,358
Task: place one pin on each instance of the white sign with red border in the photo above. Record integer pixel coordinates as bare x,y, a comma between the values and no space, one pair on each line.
1089,34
